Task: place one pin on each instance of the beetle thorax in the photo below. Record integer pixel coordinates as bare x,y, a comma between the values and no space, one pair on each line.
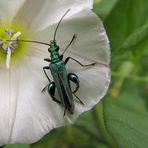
54,51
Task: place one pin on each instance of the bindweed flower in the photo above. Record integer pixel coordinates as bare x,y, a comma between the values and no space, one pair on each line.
27,114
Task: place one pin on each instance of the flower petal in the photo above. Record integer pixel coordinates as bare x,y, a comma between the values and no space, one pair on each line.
9,8
9,80
91,39
44,13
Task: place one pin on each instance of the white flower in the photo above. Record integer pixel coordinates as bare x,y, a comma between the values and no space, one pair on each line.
27,114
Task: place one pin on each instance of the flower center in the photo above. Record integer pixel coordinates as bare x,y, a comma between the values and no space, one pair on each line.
13,52
11,46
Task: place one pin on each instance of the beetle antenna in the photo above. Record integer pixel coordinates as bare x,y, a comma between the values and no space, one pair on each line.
32,41
59,23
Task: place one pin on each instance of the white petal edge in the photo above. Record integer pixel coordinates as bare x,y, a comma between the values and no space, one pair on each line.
47,12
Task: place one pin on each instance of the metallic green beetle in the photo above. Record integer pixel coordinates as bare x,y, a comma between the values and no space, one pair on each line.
61,79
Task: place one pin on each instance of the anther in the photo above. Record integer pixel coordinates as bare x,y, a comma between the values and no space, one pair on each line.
9,32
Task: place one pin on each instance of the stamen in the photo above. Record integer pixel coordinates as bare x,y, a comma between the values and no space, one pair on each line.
9,32
11,48
8,58
3,45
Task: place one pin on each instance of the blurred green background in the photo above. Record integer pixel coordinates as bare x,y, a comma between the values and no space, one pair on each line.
121,119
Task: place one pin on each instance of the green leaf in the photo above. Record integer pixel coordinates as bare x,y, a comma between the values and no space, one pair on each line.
127,17
133,40
134,47
126,118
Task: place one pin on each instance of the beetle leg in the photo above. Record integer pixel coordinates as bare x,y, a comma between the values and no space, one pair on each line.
68,58
51,91
79,99
43,90
47,60
47,68
73,38
74,78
